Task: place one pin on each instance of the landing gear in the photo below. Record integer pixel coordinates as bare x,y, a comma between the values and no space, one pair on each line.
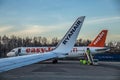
55,61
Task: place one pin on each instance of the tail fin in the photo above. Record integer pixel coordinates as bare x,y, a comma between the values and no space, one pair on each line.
68,41
99,40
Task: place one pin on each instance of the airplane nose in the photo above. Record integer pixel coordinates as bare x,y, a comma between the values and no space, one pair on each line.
10,54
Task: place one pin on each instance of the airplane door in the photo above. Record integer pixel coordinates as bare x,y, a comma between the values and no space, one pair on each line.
18,52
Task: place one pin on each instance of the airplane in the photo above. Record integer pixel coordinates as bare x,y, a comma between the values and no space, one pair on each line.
96,46
62,49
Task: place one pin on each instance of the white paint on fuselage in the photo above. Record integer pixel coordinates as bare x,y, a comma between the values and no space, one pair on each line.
75,52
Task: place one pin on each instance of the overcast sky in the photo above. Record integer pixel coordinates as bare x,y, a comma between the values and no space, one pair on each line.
52,18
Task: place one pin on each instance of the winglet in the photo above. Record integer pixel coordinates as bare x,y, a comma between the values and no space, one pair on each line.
99,40
68,41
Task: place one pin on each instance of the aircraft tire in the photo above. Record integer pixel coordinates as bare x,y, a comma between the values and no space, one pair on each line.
55,61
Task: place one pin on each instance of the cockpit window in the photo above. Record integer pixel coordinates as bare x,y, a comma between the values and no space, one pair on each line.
12,50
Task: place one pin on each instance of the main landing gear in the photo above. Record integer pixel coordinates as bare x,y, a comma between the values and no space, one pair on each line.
55,61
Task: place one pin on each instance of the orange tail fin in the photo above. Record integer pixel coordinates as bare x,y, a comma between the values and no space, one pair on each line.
99,40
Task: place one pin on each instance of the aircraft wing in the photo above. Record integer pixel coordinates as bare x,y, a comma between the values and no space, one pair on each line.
13,62
64,46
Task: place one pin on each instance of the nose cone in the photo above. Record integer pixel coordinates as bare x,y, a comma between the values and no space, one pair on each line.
11,54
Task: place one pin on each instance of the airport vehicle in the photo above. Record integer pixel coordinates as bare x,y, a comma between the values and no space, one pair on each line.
96,46
62,49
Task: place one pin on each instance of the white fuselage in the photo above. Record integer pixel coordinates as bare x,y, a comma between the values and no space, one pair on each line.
75,52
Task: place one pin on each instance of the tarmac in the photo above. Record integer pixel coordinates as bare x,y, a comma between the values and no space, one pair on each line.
65,70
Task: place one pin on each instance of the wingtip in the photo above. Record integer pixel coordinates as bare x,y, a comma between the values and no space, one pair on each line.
81,17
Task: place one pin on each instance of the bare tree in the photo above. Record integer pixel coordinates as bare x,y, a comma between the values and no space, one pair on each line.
44,41
54,41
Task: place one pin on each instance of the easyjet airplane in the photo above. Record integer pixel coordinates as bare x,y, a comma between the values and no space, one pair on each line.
97,46
62,49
